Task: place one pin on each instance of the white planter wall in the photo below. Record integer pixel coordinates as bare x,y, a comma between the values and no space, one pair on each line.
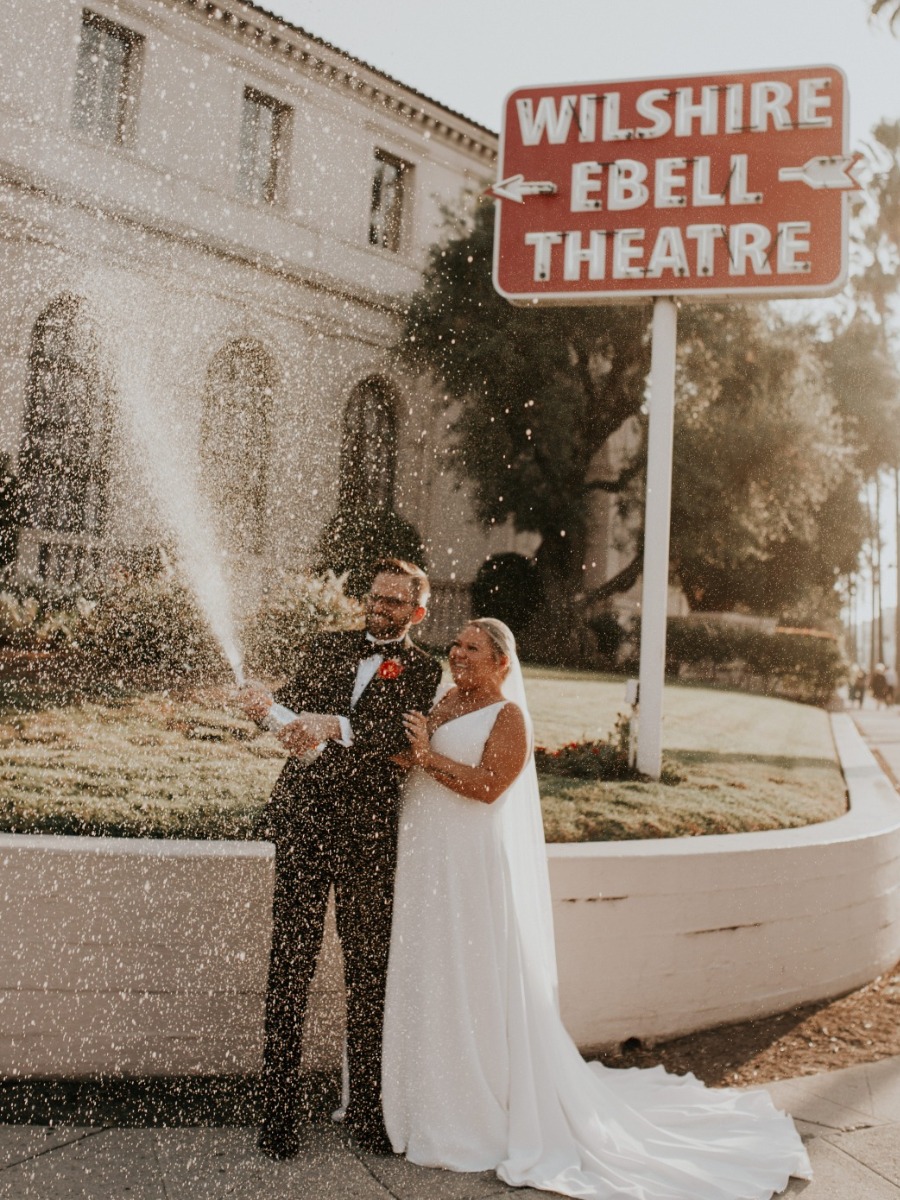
121,955
661,937
149,957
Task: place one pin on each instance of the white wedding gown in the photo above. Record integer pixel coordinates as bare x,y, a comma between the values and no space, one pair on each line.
478,1071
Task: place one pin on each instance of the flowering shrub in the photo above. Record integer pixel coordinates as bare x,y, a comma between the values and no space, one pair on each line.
590,759
147,630
18,620
585,760
600,758
298,607
33,623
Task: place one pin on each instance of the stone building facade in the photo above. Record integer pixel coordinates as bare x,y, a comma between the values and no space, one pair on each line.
211,219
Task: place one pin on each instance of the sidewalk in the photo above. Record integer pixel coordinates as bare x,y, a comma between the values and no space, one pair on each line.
850,1120
881,729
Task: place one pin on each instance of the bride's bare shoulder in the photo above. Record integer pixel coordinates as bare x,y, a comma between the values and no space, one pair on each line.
510,721
507,746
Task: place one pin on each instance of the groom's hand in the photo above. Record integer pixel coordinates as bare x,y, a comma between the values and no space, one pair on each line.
321,727
255,702
296,739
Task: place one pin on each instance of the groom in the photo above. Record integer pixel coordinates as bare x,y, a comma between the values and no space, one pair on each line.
333,818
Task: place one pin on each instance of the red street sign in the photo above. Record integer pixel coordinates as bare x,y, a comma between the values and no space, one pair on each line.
712,185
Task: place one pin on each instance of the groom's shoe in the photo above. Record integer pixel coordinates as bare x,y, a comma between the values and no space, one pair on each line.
279,1142
370,1137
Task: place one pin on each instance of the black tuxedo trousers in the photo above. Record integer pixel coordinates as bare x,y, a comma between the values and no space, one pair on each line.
334,824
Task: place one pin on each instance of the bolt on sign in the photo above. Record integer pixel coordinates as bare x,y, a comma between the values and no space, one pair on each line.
715,185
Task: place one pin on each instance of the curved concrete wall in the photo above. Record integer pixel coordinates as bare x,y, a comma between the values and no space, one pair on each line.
660,937
143,957
149,957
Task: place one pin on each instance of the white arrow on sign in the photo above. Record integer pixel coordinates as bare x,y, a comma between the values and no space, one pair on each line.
517,187
825,171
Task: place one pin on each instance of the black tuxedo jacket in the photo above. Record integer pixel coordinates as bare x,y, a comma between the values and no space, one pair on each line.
355,785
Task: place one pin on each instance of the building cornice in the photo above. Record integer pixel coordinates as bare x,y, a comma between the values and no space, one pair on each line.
292,45
160,229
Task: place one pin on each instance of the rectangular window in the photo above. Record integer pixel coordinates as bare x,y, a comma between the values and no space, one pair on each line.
104,78
390,181
263,135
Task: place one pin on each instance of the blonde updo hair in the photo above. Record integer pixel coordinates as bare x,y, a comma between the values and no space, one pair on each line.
501,637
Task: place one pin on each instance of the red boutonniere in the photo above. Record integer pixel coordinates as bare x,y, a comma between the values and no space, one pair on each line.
390,669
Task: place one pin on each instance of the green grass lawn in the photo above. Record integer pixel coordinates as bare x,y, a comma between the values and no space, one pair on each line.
147,765
744,762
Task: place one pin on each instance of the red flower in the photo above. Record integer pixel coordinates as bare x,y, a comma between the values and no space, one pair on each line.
390,669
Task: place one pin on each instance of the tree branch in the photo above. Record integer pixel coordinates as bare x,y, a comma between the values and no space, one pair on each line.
625,477
623,580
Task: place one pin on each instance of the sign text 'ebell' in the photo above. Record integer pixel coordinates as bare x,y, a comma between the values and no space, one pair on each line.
706,187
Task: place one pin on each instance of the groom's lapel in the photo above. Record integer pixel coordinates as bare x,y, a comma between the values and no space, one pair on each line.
356,647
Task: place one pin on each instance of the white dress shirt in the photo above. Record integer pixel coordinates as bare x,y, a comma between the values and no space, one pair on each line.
365,673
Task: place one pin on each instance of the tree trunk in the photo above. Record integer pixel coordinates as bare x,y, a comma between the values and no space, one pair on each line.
557,634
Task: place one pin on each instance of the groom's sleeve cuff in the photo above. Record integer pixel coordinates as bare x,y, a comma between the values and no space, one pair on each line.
346,738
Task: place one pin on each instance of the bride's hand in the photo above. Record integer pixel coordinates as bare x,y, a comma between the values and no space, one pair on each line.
417,732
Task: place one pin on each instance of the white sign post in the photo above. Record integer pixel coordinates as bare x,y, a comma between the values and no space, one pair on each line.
657,513
716,187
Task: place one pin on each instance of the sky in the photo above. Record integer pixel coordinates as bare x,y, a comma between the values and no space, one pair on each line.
469,53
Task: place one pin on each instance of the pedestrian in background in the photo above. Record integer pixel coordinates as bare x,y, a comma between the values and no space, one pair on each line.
891,677
878,685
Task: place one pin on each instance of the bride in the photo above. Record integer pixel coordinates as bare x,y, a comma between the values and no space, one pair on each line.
478,1072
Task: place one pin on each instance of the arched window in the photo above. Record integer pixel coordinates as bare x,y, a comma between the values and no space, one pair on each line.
235,437
369,450
64,454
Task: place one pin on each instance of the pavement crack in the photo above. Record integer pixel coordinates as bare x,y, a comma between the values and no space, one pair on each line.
365,1166
59,1146
159,1167
837,1129
866,1165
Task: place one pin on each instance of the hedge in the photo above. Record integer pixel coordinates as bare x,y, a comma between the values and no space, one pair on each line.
804,664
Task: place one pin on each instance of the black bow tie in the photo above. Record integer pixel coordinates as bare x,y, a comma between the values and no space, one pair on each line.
383,649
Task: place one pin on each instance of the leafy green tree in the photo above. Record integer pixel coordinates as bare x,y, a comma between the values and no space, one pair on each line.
763,508
864,380
876,287
867,378
535,394
351,542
